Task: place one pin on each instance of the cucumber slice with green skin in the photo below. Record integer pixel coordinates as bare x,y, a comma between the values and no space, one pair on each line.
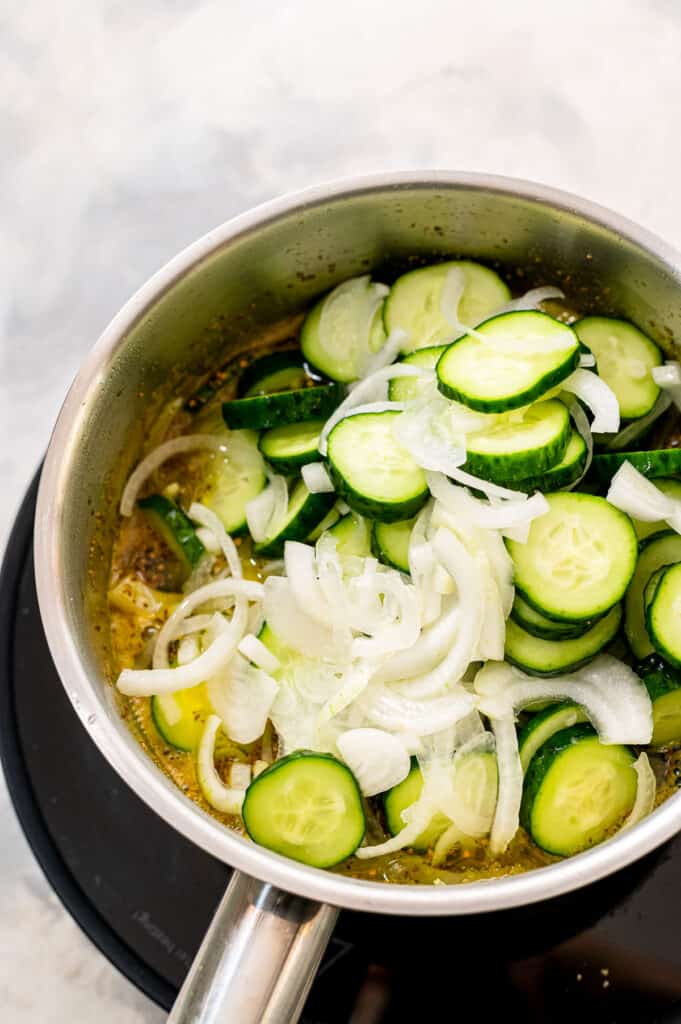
564,473
466,782
657,551
663,615
390,543
576,791
278,371
670,487
663,684
415,302
233,479
650,588
375,475
353,536
546,629
554,657
176,529
624,357
263,411
291,446
180,717
542,726
306,806
345,328
664,462
579,558
513,450
406,389
327,522
305,511
490,378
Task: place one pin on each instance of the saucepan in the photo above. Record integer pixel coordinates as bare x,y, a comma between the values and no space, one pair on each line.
268,934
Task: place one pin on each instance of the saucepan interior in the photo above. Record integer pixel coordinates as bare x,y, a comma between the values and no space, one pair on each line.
245,278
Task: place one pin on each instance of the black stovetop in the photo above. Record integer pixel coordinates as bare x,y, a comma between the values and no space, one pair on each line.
144,894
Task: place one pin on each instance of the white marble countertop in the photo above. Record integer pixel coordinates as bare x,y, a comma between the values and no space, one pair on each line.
128,130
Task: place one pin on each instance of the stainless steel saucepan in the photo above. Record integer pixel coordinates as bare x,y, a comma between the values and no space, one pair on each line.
268,935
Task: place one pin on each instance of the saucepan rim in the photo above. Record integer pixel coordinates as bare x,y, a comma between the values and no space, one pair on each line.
121,750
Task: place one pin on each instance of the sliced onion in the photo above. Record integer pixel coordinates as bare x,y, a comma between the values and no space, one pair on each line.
430,648
583,427
587,360
148,465
417,817
501,567
242,695
267,510
348,311
388,352
610,692
668,377
240,776
376,758
368,392
482,514
491,490
473,819
301,573
646,791
287,619
256,651
174,625
188,649
209,540
221,797
601,399
194,624
450,838
316,478
634,429
510,794
209,521
399,624
634,494
451,295
396,713
531,299
353,686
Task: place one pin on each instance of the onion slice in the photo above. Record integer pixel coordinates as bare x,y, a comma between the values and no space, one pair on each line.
267,510
256,652
634,494
668,377
243,696
482,514
646,791
316,478
531,299
206,518
376,758
507,813
221,797
149,464
594,392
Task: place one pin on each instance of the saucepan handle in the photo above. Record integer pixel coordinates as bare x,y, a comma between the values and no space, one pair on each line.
258,958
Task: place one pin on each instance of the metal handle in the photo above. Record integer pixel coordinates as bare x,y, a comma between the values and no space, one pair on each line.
258,958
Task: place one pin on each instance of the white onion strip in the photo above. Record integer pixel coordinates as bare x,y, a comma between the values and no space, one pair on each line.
206,518
369,391
668,377
583,428
221,797
267,510
388,352
510,793
646,791
148,465
531,299
601,399
631,492
256,652
376,758
481,514
316,478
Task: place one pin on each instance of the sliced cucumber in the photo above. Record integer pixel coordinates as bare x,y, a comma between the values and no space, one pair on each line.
520,447
663,615
291,446
663,684
233,479
564,473
542,726
375,475
578,560
305,511
670,487
554,657
390,543
176,529
273,410
663,462
345,328
415,302
331,517
353,535
657,551
520,357
406,389
576,791
278,371
181,716
539,625
475,782
624,357
306,806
